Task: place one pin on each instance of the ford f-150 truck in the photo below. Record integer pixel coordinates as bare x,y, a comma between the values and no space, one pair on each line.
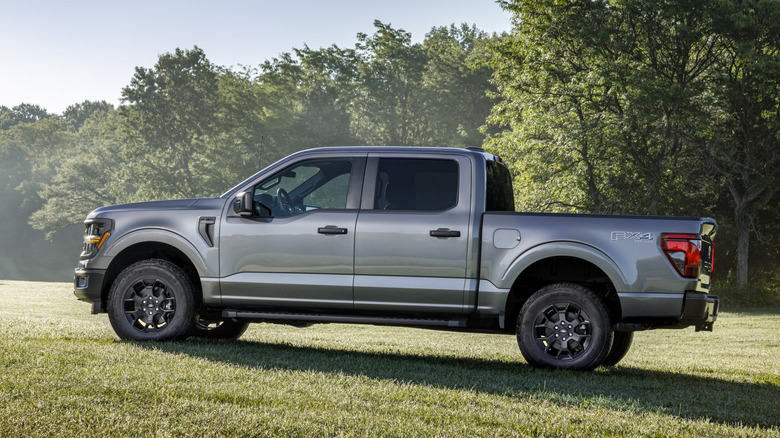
423,237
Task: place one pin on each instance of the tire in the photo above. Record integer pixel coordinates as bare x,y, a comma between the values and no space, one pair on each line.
219,329
580,344
152,300
621,343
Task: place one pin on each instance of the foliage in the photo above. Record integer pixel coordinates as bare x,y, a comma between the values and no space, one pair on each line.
78,114
189,128
606,106
429,94
22,113
743,145
761,293
604,91
88,176
642,107
172,107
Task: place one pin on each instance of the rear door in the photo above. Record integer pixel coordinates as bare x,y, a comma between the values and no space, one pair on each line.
412,234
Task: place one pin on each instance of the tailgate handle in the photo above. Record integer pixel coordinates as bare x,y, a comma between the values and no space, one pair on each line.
445,232
330,229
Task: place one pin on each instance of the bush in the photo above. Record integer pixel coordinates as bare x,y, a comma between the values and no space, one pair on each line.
762,291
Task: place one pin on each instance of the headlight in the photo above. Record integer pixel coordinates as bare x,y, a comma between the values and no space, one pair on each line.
96,233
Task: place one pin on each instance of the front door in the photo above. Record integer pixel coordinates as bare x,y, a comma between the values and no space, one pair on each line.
302,255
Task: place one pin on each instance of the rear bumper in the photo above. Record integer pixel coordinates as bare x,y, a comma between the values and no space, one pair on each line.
88,286
699,310
644,311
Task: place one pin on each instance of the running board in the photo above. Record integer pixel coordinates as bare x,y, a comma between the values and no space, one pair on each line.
348,319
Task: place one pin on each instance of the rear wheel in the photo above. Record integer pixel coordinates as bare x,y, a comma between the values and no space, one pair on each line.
564,326
621,343
219,329
152,300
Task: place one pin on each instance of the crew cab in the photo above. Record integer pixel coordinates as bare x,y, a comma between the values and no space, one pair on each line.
423,237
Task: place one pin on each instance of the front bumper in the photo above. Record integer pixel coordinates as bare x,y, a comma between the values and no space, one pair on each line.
699,310
88,286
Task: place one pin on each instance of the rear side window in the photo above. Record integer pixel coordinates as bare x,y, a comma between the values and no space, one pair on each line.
416,184
499,196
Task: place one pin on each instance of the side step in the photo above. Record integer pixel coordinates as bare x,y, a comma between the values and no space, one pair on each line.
348,319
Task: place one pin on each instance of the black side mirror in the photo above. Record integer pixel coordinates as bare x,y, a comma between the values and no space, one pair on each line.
245,206
242,204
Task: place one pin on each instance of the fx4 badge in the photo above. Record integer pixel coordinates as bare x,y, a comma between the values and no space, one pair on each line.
632,235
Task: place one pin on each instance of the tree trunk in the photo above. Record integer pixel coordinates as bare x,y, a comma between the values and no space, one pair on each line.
743,247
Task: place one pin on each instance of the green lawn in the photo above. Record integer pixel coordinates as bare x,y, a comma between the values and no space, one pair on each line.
64,373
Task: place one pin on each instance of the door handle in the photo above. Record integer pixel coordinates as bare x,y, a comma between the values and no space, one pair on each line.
331,230
445,232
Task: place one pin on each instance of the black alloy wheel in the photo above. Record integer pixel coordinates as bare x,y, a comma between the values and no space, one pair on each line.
152,300
564,326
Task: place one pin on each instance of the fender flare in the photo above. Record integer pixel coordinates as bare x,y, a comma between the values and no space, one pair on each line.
567,249
162,236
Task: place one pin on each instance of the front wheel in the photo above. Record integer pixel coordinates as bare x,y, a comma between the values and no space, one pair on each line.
564,326
152,300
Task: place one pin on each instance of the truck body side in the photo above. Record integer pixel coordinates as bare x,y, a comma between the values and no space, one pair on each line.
415,236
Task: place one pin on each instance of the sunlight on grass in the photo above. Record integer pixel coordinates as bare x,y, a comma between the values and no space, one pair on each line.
64,373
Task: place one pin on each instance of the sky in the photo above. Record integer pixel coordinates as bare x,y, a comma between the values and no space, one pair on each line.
58,53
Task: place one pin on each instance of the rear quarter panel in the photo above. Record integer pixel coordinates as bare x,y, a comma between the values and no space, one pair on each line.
626,248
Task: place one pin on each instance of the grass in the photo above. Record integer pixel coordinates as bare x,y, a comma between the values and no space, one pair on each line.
64,373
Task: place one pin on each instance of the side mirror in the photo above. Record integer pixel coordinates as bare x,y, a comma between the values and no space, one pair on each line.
242,204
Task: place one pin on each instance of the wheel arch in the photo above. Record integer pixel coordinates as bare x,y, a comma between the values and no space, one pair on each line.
151,250
564,263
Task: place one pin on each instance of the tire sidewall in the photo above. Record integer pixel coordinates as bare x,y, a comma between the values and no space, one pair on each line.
226,330
621,343
601,332
179,285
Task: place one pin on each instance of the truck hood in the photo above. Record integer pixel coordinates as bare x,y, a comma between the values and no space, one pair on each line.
172,204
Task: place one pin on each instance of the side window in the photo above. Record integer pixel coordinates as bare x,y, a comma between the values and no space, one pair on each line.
416,184
499,196
311,185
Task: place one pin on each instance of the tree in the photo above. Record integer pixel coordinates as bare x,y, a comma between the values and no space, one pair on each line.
645,106
29,155
457,83
606,93
88,176
388,105
170,110
77,114
386,90
307,96
22,113
743,146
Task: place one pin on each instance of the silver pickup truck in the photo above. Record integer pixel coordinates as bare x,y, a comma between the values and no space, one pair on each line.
423,237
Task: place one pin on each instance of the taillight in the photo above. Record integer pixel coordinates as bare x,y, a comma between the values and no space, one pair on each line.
684,252
712,260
